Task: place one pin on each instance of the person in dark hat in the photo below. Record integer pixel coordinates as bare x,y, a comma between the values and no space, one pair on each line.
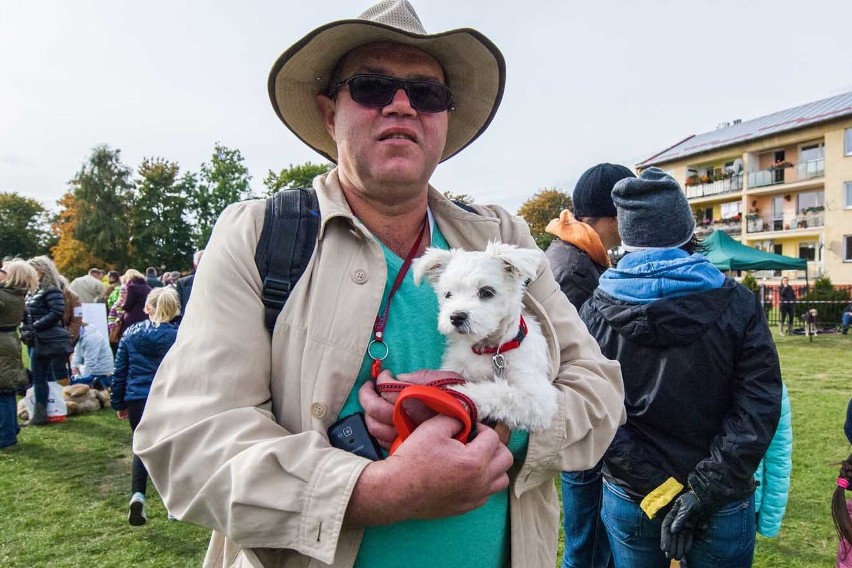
580,253
702,389
577,258
235,432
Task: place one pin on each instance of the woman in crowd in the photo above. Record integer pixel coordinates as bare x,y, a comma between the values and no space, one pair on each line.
43,312
140,352
134,300
17,278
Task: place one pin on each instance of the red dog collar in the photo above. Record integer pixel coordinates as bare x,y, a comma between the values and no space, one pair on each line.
509,345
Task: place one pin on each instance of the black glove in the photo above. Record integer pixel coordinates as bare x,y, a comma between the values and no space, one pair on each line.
683,521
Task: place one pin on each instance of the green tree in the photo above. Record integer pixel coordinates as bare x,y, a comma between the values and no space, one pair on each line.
224,180
24,226
293,177
103,192
159,235
540,209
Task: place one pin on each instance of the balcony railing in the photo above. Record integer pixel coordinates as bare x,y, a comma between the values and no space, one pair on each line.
807,220
729,185
729,227
802,171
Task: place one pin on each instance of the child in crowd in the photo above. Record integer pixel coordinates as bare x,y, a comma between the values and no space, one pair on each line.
140,352
841,510
92,356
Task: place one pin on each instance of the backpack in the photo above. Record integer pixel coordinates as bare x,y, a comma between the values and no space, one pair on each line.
287,241
286,244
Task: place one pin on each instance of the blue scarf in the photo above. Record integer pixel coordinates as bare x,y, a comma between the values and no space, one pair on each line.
645,276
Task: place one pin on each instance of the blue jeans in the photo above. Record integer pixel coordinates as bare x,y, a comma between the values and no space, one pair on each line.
586,543
99,382
42,371
8,420
635,539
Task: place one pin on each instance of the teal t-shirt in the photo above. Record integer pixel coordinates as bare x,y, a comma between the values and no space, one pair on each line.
477,539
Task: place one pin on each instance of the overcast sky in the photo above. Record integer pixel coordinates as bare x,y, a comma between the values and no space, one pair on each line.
587,81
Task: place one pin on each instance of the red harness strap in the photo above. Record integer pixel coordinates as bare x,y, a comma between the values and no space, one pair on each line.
437,396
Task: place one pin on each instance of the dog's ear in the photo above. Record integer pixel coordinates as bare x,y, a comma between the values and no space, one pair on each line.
520,262
431,264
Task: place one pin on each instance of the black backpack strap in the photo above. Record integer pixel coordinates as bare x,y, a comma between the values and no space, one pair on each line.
286,244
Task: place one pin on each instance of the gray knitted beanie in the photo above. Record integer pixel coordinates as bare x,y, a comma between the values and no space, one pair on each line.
652,211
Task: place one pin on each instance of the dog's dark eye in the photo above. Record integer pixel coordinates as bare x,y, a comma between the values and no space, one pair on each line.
448,295
486,292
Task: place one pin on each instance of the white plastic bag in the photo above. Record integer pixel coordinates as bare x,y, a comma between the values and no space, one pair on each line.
56,409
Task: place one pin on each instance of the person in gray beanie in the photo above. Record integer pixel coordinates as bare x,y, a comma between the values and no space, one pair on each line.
652,212
702,389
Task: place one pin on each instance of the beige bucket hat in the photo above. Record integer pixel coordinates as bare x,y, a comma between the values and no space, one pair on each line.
474,69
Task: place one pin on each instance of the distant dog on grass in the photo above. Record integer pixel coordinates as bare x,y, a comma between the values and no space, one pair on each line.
491,340
79,399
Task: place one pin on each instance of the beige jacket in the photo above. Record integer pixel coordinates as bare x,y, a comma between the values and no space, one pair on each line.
234,430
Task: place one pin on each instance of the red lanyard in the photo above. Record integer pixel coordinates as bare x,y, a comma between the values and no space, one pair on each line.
382,318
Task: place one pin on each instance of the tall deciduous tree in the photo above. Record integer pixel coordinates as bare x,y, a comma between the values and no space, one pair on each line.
159,234
72,257
224,180
103,193
294,177
540,209
23,226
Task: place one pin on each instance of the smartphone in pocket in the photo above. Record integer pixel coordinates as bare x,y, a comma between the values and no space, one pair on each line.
350,434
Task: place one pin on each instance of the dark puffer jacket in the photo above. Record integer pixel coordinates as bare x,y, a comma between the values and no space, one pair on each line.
702,390
574,270
140,352
12,373
44,309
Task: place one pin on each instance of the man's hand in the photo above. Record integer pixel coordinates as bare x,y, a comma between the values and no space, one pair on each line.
378,409
121,414
683,521
431,475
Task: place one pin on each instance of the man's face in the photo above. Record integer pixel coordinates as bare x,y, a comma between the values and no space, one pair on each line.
784,281
394,145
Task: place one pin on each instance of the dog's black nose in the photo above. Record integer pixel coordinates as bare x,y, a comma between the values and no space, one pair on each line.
458,318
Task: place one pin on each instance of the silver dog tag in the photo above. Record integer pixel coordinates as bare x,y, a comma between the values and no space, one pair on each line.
499,363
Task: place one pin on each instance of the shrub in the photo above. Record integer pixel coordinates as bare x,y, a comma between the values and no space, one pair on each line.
824,291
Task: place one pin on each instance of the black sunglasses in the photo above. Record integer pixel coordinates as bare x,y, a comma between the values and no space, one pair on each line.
379,90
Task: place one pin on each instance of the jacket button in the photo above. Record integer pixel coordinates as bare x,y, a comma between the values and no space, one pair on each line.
318,410
359,276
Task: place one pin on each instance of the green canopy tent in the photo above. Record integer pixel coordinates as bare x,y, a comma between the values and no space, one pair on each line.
727,254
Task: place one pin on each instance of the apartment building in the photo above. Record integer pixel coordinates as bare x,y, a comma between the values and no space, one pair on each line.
780,183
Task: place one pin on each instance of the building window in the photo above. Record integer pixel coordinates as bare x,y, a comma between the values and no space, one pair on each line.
848,187
730,210
847,248
807,251
847,142
810,199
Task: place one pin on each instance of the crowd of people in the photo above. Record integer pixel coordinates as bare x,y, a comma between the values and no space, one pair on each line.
45,340
671,410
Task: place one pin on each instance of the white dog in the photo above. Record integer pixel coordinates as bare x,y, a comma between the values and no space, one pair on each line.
491,341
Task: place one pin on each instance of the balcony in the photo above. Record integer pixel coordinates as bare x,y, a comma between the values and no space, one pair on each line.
779,173
719,187
808,220
733,227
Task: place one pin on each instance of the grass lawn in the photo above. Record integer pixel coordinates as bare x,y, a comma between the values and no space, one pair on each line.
64,489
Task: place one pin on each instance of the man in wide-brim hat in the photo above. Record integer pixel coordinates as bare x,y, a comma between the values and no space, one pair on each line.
235,431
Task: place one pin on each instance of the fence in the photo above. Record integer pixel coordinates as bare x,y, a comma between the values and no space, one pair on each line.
829,311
